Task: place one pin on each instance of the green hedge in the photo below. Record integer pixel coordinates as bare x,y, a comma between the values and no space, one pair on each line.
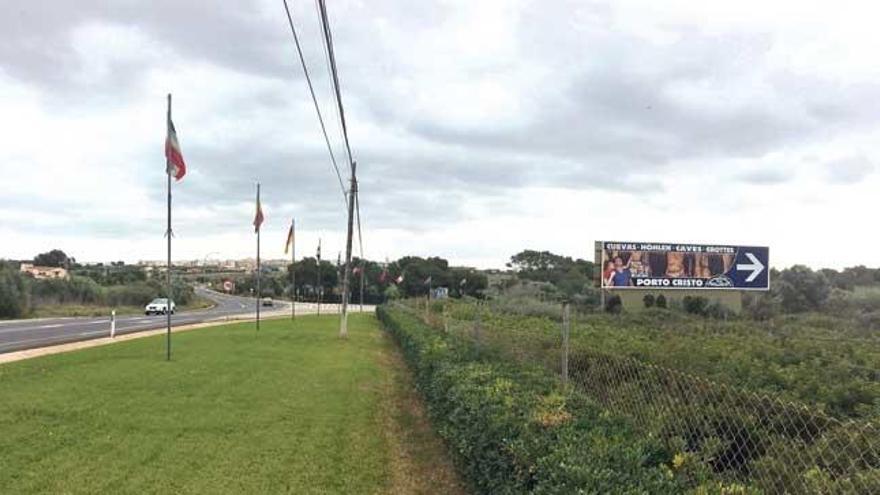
513,429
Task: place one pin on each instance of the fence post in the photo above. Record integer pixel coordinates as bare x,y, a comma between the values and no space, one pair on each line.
445,318
478,324
113,324
566,330
427,316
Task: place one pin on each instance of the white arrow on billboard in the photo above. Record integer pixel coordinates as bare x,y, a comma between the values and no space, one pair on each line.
755,266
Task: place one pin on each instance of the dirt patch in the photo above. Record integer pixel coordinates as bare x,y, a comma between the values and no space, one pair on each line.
419,460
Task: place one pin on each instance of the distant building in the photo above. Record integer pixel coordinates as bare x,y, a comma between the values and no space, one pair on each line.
44,272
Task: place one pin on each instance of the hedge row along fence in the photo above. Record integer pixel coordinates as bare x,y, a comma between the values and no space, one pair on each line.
513,428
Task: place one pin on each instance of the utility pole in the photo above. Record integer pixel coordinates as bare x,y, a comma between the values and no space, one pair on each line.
343,324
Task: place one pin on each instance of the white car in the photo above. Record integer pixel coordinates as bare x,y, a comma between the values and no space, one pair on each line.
158,306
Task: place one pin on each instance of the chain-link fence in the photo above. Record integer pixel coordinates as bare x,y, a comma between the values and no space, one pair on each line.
758,441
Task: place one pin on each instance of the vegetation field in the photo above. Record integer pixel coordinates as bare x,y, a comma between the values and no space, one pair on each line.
827,362
288,409
780,406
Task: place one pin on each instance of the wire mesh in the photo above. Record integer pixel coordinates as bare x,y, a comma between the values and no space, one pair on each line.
714,430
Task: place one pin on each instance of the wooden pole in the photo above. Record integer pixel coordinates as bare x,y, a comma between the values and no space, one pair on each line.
343,323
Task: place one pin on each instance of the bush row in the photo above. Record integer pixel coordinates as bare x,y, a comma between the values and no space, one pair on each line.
20,294
513,429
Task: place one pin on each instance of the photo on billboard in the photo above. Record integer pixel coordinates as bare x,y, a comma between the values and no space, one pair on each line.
649,265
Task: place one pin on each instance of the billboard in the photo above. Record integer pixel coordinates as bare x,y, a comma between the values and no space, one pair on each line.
658,265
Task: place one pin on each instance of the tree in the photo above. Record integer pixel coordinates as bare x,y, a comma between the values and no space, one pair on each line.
14,293
801,289
475,282
571,277
55,257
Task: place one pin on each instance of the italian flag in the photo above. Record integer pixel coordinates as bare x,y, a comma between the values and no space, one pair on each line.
173,156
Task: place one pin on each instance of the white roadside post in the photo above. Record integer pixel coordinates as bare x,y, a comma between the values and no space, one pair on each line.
113,324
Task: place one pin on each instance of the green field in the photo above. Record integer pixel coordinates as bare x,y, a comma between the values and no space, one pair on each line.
291,408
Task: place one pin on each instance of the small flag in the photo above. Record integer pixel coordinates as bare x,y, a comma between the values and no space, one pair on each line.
463,282
399,279
429,280
319,251
258,218
289,239
355,270
173,155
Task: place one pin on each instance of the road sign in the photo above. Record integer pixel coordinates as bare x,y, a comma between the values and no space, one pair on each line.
657,265
228,286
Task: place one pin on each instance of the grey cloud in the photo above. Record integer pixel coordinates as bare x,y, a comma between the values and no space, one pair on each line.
615,112
233,34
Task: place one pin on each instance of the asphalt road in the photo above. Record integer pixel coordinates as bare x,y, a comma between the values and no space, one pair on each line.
16,335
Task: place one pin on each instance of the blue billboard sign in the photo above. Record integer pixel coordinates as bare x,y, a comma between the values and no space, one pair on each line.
658,265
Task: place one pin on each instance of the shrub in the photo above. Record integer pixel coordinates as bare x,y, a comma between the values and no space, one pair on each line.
661,301
131,295
649,300
76,290
695,305
613,304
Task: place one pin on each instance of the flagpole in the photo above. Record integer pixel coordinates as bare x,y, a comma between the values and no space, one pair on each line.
293,268
258,260
168,266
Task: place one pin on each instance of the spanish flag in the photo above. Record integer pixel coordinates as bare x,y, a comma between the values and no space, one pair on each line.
289,242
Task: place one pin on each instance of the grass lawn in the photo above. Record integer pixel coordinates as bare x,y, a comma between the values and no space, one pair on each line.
289,409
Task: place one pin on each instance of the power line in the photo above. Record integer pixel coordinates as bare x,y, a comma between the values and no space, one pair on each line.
330,59
328,39
315,101
329,70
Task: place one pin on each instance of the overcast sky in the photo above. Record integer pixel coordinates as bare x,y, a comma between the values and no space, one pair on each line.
480,127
